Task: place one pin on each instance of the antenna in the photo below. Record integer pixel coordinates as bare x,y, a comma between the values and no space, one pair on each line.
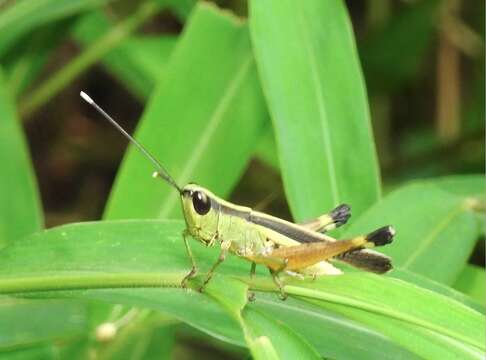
158,166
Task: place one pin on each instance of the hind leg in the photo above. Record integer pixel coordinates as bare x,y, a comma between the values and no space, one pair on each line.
277,280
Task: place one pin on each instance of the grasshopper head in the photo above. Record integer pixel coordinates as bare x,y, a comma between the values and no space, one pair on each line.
199,212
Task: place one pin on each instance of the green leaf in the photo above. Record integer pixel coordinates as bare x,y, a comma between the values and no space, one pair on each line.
437,287
90,56
264,336
424,343
146,260
25,15
138,61
324,329
273,339
191,307
24,63
182,8
46,320
20,210
464,185
433,227
201,120
471,281
266,149
41,352
416,309
311,77
143,336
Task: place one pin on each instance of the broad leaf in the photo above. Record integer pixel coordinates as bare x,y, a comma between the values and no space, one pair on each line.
142,254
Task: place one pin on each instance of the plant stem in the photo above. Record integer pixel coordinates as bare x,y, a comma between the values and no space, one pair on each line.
91,55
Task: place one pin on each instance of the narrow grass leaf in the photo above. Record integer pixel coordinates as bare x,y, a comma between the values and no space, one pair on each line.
189,306
324,330
20,209
138,62
401,301
25,15
471,281
266,149
312,81
181,8
278,340
88,57
40,352
440,288
24,63
202,119
422,343
47,320
285,343
473,185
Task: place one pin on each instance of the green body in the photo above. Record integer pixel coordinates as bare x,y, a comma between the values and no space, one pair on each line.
247,233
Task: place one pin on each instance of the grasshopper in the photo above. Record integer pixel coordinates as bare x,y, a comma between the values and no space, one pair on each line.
302,250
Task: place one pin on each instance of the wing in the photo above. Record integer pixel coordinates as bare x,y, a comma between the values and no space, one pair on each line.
294,233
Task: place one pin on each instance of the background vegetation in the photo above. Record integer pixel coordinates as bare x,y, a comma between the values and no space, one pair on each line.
272,112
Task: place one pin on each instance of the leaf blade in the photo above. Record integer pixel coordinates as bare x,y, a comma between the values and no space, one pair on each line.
20,209
98,257
318,104
225,117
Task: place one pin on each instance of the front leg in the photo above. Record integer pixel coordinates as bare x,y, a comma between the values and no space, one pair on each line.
193,271
276,278
221,257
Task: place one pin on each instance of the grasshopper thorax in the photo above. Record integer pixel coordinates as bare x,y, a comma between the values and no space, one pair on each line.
201,217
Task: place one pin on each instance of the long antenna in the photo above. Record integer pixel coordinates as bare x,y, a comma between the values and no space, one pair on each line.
158,166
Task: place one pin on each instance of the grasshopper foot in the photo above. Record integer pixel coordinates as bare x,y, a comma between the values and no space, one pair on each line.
283,295
189,276
251,296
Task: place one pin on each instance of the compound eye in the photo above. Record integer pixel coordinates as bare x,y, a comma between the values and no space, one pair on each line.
201,203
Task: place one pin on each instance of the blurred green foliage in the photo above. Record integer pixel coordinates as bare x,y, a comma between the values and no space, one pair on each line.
290,107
